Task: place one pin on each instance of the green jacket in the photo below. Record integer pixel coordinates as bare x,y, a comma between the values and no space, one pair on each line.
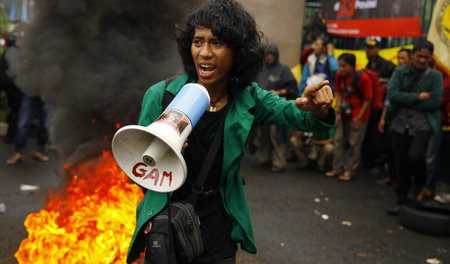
399,96
250,106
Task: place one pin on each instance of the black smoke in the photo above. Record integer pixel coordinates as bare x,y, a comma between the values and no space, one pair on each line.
94,59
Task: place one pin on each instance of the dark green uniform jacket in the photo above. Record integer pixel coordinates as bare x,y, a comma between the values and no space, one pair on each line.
400,96
249,107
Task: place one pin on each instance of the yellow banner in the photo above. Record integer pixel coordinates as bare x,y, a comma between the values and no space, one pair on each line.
361,58
439,34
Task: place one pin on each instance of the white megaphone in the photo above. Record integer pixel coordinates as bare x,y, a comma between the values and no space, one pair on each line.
151,156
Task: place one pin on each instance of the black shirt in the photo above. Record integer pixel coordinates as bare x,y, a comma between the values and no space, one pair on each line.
215,222
383,67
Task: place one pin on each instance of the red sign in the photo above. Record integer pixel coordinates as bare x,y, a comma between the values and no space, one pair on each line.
382,27
364,18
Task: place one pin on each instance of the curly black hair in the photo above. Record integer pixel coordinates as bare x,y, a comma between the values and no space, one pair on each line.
231,23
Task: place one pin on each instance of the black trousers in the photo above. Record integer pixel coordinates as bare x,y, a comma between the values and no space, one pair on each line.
409,156
372,148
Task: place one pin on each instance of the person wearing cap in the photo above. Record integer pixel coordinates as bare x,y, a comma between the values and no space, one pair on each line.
221,49
320,65
383,67
278,79
372,152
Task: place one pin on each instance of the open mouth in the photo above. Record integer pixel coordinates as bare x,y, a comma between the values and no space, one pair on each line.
206,69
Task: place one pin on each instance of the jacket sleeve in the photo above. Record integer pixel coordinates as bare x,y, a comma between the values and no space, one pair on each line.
334,67
305,75
395,95
272,109
435,84
152,104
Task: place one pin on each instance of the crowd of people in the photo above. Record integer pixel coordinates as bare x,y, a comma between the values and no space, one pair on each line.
390,118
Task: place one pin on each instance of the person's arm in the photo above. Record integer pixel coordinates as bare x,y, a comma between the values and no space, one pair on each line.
356,122
289,90
272,109
431,100
365,86
382,120
317,99
305,75
305,54
332,61
396,95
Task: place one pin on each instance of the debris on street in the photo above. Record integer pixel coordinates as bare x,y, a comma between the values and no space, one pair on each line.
26,187
346,223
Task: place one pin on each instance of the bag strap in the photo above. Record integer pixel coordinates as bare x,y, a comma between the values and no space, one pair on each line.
415,84
167,97
197,188
355,82
171,256
427,71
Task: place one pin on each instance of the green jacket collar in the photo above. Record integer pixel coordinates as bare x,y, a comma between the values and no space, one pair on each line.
243,97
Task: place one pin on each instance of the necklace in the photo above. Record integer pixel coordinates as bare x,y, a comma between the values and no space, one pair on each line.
213,108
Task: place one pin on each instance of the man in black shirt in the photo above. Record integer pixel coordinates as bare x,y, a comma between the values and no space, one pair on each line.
372,153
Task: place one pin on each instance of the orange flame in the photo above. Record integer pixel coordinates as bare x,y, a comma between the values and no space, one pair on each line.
92,223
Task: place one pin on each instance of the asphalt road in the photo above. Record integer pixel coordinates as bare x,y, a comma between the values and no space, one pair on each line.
289,212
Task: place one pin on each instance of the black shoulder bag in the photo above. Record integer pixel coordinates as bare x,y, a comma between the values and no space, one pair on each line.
173,236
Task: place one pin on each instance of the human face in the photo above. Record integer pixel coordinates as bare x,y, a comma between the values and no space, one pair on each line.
318,47
212,57
345,68
403,58
420,59
270,58
372,51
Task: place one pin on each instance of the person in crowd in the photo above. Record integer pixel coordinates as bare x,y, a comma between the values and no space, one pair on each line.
372,151
221,49
383,67
308,40
30,108
317,25
7,82
433,159
278,79
403,57
321,64
414,94
317,146
353,106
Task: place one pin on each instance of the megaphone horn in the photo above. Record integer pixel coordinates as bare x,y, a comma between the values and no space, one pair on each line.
151,156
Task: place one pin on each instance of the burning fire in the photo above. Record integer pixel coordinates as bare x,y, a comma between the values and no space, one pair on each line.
92,221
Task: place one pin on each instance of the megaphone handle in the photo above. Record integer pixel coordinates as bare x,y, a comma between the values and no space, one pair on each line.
197,188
